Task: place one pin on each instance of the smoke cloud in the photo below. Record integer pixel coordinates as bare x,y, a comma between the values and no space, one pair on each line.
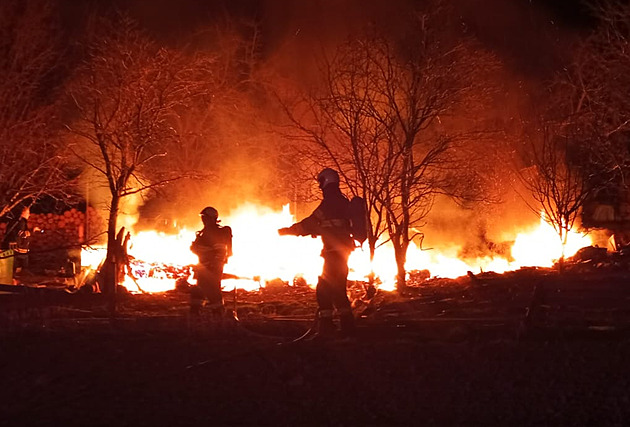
527,36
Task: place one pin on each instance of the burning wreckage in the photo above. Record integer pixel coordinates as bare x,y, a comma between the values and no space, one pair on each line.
158,262
440,283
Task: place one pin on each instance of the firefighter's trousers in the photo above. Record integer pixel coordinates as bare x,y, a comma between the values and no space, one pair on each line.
208,287
331,290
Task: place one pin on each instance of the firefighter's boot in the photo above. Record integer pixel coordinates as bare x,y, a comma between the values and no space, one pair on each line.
325,326
196,301
217,311
347,324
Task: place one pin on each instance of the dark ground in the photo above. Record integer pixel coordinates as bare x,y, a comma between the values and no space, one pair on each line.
526,348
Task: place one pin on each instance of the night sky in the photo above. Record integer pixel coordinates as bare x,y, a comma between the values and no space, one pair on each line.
528,34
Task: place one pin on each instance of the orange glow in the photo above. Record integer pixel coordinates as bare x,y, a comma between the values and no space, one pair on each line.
261,255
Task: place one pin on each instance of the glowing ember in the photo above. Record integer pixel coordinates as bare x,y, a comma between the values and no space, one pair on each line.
261,255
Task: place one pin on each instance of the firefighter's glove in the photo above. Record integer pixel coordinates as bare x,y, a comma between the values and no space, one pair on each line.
286,231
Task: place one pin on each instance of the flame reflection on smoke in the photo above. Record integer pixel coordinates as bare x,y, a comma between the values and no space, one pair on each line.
261,255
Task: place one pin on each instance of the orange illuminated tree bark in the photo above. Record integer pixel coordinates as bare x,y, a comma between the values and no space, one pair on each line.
127,95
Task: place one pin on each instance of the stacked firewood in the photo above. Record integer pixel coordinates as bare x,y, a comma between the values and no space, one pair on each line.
64,230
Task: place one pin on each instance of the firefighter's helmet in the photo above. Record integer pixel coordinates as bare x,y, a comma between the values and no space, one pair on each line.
326,177
209,213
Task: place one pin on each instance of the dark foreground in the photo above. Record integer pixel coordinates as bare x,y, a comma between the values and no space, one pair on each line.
453,354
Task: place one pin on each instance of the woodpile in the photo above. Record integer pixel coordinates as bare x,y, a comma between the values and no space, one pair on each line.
64,230
68,229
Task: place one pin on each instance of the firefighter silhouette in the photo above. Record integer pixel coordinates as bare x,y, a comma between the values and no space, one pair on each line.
213,246
331,221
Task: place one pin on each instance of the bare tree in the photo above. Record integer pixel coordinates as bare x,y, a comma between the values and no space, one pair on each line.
590,102
127,96
338,121
386,119
603,110
581,157
31,156
557,180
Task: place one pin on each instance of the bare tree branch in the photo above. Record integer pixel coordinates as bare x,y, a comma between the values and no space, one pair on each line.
32,159
128,94
379,119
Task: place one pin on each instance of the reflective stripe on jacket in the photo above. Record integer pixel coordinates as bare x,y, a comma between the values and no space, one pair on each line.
330,220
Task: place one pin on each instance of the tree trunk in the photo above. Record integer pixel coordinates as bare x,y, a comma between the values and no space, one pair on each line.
109,272
372,248
560,265
400,252
564,237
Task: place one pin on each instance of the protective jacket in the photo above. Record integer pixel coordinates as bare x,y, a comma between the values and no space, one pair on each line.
330,220
213,245
18,236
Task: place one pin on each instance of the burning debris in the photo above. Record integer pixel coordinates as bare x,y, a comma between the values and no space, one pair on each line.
159,261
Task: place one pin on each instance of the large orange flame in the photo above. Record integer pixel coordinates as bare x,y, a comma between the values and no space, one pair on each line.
261,255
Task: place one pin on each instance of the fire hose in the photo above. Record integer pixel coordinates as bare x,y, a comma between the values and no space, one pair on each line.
279,339
234,315
310,333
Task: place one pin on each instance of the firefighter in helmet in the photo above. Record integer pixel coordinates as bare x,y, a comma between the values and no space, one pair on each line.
18,237
213,246
331,221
